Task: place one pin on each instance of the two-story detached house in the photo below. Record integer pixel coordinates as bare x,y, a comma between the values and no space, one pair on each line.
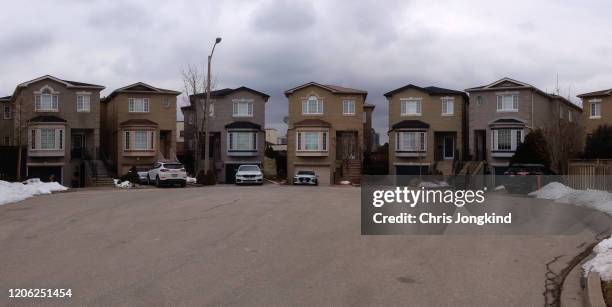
139,127
503,112
6,121
427,129
597,110
325,131
236,128
59,121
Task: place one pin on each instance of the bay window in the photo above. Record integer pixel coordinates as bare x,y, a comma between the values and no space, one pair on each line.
506,139
312,141
139,140
507,103
242,141
411,141
312,106
47,138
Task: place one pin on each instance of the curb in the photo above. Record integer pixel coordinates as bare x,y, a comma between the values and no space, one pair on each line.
593,294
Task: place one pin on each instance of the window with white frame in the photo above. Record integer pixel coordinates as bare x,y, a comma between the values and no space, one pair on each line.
507,103
506,139
312,105
595,108
410,107
411,141
312,141
7,112
139,140
46,102
243,108
138,105
47,139
448,106
348,107
242,141
83,103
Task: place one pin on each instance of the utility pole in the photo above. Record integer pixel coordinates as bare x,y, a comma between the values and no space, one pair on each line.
206,111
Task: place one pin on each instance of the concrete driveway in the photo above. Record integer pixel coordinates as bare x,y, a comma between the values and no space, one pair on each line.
260,245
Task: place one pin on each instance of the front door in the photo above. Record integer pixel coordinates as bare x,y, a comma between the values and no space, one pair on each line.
449,147
78,146
347,145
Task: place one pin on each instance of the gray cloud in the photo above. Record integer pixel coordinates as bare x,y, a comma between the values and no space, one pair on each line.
274,45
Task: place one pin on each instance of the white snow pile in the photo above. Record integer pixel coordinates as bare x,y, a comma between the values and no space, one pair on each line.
602,262
191,180
434,184
15,191
599,200
500,187
123,184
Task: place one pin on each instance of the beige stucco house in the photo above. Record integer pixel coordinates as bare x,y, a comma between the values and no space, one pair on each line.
138,127
427,129
325,131
597,110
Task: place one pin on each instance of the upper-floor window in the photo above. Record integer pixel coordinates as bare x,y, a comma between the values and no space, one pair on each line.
348,107
595,108
507,103
83,103
411,141
561,112
448,106
139,140
479,100
46,101
312,105
243,108
506,139
7,112
138,105
411,107
312,141
47,139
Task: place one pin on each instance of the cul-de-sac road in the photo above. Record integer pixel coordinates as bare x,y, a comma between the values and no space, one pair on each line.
255,246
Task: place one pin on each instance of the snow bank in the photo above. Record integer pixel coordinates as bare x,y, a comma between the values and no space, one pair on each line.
123,184
15,191
602,262
435,184
599,200
191,180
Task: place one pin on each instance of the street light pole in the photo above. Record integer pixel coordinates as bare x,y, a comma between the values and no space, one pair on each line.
206,111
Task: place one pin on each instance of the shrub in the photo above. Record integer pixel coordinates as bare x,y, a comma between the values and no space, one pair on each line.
131,176
208,178
599,144
533,150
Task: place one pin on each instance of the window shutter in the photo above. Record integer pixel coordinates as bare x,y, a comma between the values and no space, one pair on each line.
397,140
299,141
60,139
33,139
127,140
494,139
152,140
324,141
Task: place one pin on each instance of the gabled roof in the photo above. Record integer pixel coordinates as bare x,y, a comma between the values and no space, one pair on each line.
507,120
226,91
410,124
47,119
243,125
502,83
138,122
596,94
431,90
140,87
312,122
332,88
67,83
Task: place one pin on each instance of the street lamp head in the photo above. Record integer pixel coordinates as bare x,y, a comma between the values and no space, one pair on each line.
218,40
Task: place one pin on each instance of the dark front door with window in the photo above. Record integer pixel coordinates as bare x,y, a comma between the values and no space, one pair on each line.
78,146
346,148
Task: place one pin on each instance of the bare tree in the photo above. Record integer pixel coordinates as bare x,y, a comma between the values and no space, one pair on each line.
18,125
193,83
565,142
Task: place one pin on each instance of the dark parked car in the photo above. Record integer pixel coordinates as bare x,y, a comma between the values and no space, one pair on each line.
526,178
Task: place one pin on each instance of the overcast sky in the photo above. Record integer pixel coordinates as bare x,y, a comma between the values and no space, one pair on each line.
274,45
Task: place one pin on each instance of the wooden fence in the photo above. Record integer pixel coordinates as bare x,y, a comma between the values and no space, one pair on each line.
590,174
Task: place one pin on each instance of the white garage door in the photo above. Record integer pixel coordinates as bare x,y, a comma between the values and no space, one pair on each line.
321,171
